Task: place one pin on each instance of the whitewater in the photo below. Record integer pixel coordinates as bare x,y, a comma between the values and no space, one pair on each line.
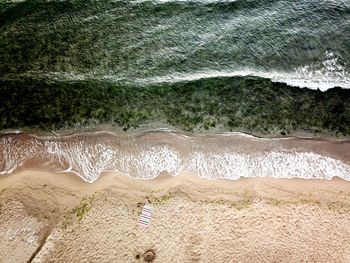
146,155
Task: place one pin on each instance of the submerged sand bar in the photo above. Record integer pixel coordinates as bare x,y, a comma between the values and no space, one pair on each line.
47,217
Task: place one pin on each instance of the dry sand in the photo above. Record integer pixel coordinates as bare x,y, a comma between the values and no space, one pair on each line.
46,217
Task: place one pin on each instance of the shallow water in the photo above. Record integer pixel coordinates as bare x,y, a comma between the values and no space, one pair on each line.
146,155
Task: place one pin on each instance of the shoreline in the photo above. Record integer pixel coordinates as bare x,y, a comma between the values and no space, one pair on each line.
77,213
118,131
146,155
24,169
107,177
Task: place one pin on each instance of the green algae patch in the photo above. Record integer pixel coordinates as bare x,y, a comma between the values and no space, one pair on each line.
78,213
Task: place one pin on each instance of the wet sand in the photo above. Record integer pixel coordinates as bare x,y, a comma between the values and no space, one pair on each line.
47,217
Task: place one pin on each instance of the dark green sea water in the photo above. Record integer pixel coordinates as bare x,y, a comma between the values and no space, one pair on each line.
264,66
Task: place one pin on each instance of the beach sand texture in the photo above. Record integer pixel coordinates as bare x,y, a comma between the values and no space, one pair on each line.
48,217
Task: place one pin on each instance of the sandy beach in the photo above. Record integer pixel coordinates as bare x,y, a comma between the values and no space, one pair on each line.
47,217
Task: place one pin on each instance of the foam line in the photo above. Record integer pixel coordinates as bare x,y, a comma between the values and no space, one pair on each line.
143,158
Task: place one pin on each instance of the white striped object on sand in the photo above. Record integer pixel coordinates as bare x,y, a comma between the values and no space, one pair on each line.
146,215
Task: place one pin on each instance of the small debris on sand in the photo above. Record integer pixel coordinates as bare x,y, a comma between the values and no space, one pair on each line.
149,255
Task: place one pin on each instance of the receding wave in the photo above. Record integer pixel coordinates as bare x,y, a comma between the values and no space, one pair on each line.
146,155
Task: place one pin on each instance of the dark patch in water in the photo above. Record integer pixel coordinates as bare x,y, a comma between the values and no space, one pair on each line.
236,103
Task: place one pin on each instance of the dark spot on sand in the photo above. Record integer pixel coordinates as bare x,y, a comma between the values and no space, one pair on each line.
137,256
148,200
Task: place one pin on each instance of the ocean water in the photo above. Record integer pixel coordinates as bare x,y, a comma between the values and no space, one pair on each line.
302,43
222,65
267,67
146,155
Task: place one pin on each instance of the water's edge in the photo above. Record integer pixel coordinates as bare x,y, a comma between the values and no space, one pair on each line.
146,154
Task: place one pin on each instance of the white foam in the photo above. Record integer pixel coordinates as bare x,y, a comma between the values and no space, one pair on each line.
331,72
323,75
14,153
89,160
86,160
149,162
319,75
275,164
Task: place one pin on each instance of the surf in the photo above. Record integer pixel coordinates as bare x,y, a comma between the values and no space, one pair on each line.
148,154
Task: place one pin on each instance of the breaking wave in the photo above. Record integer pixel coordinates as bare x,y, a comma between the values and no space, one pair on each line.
323,75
